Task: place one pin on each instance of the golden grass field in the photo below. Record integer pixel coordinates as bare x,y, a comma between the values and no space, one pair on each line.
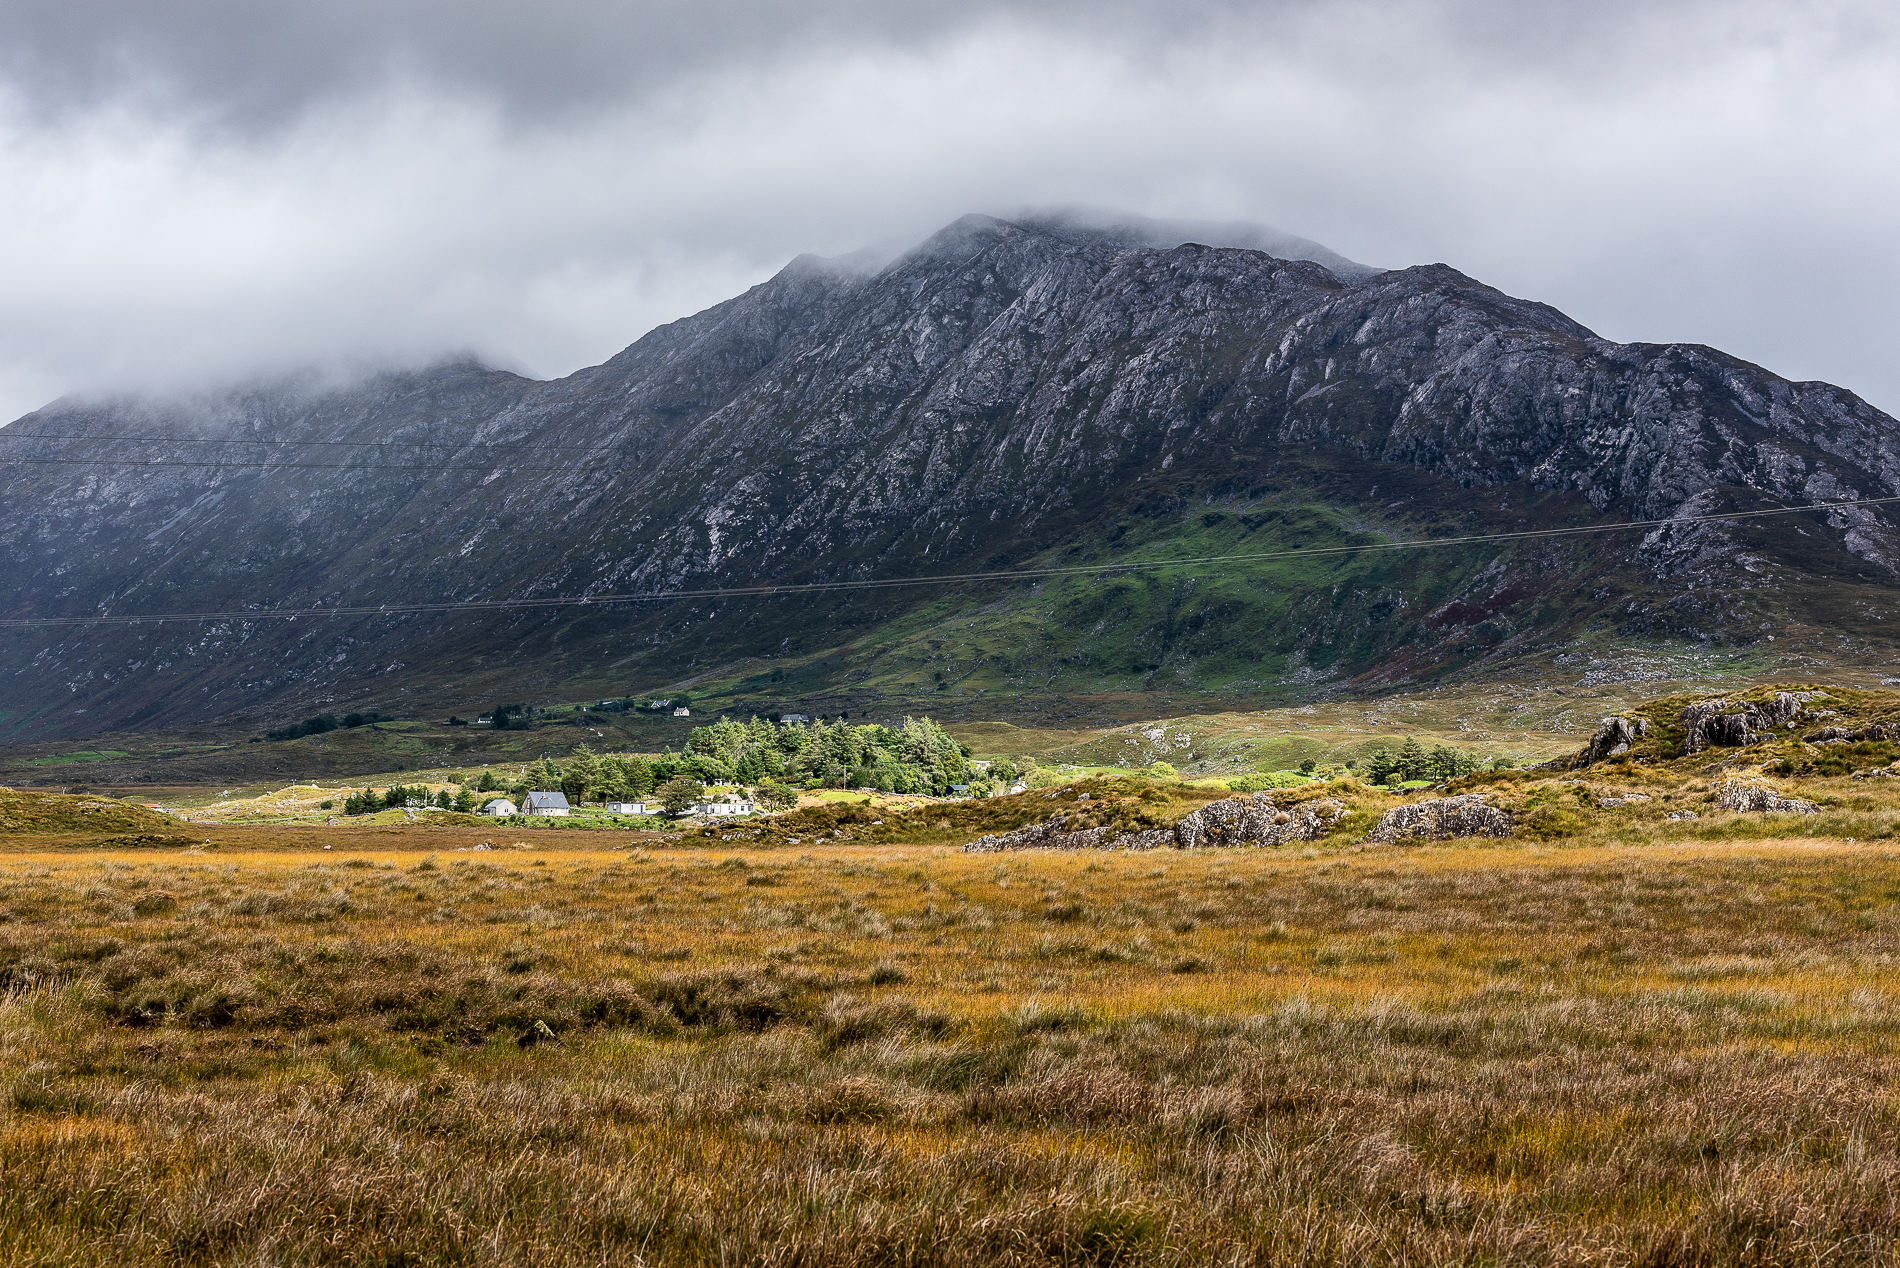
1621,1036
1590,1053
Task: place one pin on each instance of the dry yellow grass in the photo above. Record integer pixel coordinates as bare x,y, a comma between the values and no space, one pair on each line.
1671,1053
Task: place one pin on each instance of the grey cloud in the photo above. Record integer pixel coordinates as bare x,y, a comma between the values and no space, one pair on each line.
212,189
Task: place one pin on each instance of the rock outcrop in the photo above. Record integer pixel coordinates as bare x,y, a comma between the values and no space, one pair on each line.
1613,738
1441,819
1256,821
1730,724
1846,735
1743,797
1241,821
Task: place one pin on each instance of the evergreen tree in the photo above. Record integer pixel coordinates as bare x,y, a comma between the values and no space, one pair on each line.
678,796
1412,759
488,782
777,796
1382,766
580,776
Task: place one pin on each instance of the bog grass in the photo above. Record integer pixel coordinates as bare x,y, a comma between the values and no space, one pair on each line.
1677,1052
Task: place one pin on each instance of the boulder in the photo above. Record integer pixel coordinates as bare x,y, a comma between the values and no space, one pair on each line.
1727,724
1442,819
1613,738
1254,821
1745,798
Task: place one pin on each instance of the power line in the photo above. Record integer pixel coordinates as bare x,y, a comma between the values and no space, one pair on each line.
136,465
8,433
1019,574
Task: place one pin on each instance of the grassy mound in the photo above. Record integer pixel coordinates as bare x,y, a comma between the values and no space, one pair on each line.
37,812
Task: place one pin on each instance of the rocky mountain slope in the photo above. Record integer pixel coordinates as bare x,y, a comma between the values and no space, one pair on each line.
1010,394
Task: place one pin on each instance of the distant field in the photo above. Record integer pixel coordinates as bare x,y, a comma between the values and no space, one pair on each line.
1527,717
264,1052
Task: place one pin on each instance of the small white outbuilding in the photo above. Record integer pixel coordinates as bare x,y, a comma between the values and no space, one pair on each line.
500,806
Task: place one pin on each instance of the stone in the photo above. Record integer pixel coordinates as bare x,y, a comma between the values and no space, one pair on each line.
1745,798
1256,821
1442,819
540,1032
1723,723
1613,738
1239,821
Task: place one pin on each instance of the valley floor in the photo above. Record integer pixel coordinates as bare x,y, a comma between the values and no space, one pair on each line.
573,1050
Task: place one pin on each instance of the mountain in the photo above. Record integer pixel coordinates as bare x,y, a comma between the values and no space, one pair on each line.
1031,393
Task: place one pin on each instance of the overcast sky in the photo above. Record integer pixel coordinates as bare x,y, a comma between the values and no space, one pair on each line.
192,190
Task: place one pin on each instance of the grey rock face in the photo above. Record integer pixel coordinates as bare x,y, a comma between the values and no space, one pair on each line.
1441,819
998,394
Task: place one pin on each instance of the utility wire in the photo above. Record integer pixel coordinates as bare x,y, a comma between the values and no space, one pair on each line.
259,466
8,433
1018,574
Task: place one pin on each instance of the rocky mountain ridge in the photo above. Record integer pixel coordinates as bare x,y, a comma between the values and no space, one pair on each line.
1011,393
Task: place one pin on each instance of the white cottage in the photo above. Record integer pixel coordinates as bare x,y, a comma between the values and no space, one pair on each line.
545,803
501,806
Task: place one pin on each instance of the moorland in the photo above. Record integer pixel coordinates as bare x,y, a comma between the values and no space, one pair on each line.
1643,1029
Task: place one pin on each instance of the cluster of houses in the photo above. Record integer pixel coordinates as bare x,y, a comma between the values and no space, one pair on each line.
554,804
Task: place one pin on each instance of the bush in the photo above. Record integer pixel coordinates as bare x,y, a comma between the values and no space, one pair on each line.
309,726
1266,782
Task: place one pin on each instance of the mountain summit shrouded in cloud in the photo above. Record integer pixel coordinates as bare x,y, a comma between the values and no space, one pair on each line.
207,192
1045,411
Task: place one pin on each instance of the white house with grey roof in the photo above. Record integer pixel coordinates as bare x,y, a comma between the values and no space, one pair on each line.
544,803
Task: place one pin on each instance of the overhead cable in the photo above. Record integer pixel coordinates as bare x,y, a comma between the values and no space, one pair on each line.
1017,574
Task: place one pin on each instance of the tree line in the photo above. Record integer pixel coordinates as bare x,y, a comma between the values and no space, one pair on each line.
1413,761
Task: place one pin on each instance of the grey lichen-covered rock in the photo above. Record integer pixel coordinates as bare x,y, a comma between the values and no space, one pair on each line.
1044,836
1844,735
1442,819
1614,737
1256,821
1731,724
1743,797
1241,821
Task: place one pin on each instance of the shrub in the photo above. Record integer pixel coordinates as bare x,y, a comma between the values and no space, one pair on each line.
309,726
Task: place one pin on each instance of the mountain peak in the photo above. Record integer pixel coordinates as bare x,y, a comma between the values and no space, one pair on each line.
1052,391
